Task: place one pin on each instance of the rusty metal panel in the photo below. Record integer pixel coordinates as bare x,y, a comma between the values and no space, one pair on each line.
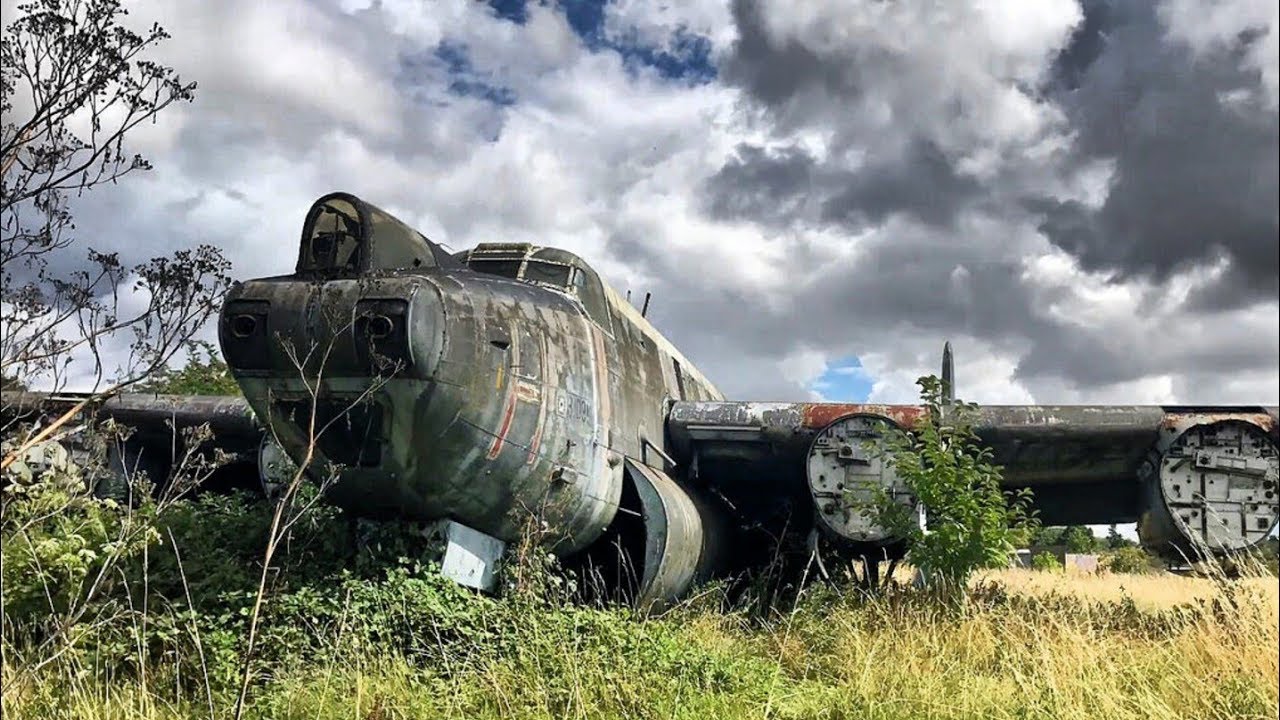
673,536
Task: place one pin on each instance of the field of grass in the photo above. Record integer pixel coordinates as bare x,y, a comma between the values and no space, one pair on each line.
1028,645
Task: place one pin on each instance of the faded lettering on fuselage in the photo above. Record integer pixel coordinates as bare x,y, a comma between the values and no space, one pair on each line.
573,407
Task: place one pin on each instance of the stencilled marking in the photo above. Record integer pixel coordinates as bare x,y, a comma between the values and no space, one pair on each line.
573,407
527,392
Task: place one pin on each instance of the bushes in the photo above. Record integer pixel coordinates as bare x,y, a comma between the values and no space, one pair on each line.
1046,562
61,546
1131,560
360,623
972,522
178,582
836,653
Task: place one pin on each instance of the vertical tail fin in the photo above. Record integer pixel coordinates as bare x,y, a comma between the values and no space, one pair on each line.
948,375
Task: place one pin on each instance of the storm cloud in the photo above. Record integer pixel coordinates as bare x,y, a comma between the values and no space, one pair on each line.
1194,140
1146,158
1081,198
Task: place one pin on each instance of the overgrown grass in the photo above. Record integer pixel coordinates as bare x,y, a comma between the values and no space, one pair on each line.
354,628
1047,647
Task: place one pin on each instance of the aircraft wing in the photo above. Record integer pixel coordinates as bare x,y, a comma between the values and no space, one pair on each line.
157,423
229,417
1191,477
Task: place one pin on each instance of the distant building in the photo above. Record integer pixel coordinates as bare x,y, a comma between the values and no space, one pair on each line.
1080,562
1072,562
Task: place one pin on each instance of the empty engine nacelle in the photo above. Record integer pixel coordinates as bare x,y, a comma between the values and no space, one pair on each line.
1210,488
845,465
665,538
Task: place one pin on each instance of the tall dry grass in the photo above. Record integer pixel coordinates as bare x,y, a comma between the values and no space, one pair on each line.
1028,645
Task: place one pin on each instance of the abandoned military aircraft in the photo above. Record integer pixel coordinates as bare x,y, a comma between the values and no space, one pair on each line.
483,388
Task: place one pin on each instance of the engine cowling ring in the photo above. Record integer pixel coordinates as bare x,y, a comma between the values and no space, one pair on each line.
846,462
1211,488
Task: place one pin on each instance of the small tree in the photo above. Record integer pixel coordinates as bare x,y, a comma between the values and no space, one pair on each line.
1079,539
205,373
1115,540
74,81
972,523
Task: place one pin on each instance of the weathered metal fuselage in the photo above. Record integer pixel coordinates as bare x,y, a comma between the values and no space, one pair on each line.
443,392
509,382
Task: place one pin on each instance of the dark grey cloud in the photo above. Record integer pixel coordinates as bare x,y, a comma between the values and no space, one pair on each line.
922,183
768,186
1195,152
781,186
1191,143
778,73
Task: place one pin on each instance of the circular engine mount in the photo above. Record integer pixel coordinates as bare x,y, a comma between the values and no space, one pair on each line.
1217,482
844,466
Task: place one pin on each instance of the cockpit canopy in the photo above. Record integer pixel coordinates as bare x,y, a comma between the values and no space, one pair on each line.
553,268
344,236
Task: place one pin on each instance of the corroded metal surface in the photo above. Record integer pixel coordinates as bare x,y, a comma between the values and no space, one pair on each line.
1266,419
1210,485
503,384
229,417
819,415
845,465
673,536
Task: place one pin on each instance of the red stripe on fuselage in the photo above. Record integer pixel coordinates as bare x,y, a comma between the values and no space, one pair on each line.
500,439
533,447
544,399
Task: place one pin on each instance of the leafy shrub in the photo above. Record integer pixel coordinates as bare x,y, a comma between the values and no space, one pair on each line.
61,544
1046,562
1080,539
1131,560
972,522
204,373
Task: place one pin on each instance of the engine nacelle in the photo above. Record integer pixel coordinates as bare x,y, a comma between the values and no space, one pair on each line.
1211,487
845,466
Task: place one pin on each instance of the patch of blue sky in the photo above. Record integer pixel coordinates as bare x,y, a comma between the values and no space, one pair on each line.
687,58
513,10
465,81
844,381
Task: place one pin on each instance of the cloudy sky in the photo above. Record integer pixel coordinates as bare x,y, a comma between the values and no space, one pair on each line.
1081,197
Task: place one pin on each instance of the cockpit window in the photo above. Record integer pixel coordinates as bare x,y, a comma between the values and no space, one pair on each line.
591,293
548,267
344,236
549,273
333,237
501,268
396,245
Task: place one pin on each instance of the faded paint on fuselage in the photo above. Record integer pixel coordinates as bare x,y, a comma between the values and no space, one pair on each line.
510,402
